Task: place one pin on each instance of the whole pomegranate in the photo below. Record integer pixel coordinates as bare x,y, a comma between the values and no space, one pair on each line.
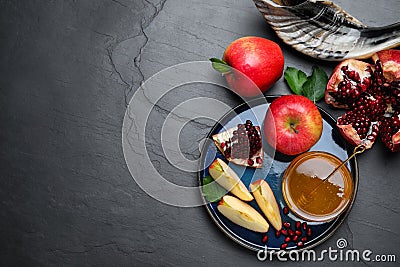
371,92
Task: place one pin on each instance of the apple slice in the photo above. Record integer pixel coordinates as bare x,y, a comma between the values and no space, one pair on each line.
266,201
242,214
228,179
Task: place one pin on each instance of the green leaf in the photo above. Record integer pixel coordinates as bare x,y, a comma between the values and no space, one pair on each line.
212,191
295,79
314,87
220,65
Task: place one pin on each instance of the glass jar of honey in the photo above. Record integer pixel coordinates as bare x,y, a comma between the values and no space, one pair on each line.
309,195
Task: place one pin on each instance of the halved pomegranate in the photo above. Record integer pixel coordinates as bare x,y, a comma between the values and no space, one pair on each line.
241,145
390,132
372,93
358,129
390,61
348,81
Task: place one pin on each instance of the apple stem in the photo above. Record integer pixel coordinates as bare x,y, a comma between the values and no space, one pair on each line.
293,128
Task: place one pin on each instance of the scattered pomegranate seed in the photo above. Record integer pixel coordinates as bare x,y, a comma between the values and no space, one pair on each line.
259,160
284,246
277,233
284,232
287,239
265,239
298,232
250,162
309,232
291,232
286,224
295,238
304,225
304,239
286,210
300,244
298,225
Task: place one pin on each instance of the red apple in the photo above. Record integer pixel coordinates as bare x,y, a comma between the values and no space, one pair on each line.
293,124
257,64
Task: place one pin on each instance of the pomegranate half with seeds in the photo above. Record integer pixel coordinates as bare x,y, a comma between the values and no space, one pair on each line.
241,145
371,92
348,81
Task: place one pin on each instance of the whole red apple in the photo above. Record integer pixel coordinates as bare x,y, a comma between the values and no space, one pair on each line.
259,59
293,124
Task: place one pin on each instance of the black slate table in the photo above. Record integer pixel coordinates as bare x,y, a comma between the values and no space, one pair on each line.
67,72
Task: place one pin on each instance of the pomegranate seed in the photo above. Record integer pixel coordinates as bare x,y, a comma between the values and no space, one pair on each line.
304,239
250,162
351,74
259,160
364,87
298,225
300,244
286,210
298,232
295,238
291,232
356,77
284,246
304,225
277,233
265,239
287,239
284,232
309,232
286,224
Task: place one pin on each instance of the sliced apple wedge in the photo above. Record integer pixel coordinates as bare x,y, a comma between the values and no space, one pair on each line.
228,179
266,201
242,214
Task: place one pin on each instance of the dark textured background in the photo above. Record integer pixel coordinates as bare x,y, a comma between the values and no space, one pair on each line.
67,71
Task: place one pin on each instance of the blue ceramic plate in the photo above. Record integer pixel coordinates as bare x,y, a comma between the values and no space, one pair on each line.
331,141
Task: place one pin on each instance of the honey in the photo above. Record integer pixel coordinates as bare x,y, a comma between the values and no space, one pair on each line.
308,196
